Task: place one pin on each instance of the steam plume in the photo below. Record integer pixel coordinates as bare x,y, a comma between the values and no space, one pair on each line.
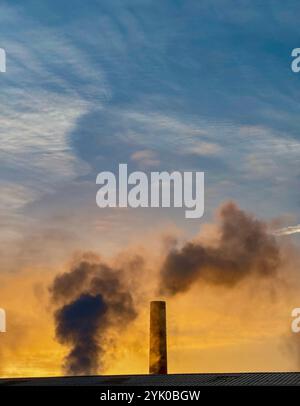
92,298
244,248
288,230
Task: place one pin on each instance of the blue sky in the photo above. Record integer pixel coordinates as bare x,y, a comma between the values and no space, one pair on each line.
174,85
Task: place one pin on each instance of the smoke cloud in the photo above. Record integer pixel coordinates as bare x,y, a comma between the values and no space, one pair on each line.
244,248
92,298
77,325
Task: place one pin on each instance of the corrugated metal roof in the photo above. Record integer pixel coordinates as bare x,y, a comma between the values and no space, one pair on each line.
250,379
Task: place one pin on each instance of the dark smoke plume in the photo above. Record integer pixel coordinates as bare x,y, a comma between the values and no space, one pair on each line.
77,325
244,248
92,298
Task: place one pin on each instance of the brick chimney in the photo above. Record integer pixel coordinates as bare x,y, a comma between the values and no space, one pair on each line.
158,338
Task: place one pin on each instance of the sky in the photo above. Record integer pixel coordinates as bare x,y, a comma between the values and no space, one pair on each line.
159,85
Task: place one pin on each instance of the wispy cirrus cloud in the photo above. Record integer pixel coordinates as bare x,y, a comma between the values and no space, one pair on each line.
48,86
36,159
145,158
204,148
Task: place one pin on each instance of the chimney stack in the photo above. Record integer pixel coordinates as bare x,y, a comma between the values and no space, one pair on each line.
158,338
